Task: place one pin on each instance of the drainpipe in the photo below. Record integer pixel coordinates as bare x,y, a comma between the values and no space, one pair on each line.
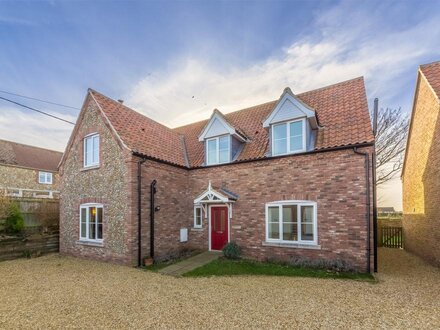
139,213
368,215
152,211
373,156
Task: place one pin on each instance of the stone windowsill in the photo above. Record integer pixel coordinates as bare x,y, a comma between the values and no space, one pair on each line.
90,243
292,245
95,167
196,229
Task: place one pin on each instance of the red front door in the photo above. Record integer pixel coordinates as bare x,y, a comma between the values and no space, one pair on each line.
219,227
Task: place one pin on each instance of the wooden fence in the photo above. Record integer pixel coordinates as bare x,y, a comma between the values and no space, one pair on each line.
34,245
392,237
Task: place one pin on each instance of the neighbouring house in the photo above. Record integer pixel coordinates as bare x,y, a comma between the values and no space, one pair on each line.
283,179
421,171
28,171
385,211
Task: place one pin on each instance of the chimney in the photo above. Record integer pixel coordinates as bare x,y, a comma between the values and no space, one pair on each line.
375,112
121,101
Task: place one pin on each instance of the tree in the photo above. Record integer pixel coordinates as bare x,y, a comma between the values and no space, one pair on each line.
392,129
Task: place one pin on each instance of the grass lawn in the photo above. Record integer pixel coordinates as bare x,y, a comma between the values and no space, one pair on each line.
225,267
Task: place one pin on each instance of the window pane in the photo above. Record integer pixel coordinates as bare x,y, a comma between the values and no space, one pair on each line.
307,215
296,143
99,214
92,216
224,156
83,222
290,213
296,128
307,232
279,147
290,231
198,216
273,222
96,149
42,177
83,230
223,142
48,177
99,236
88,151
212,152
280,131
92,231
274,231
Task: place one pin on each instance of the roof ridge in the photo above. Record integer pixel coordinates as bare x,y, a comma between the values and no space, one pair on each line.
30,146
332,85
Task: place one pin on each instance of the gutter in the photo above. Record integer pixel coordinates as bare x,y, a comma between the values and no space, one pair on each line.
368,214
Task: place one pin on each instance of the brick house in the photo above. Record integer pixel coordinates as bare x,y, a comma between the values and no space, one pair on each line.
421,171
281,179
27,171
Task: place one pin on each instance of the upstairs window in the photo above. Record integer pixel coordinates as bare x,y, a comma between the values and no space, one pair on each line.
91,150
218,150
91,222
288,137
45,177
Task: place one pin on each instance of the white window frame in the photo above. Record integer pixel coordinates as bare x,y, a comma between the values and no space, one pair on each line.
93,163
47,177
298,203
87,238
195,217
287,123
217,147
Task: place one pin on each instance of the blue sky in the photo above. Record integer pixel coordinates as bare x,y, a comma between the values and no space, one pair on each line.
228,55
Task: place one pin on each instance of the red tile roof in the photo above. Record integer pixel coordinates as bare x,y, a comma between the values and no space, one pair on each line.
432,73
12,153
342,110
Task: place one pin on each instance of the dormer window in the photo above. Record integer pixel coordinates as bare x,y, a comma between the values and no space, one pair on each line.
288,137
218,150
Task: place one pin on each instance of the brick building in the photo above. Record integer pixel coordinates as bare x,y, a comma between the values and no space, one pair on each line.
27,171
421,172
281,179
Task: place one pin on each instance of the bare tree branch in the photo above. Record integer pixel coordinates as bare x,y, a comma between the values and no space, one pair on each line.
392,128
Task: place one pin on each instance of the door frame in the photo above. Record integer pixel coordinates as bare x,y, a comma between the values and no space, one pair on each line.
209,223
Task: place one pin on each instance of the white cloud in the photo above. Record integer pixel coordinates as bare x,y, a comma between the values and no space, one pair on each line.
192,87
34,129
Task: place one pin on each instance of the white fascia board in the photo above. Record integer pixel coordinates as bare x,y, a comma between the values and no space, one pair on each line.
288,97
216,116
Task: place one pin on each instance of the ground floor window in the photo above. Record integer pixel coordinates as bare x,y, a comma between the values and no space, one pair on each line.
198,217
91,222
291,222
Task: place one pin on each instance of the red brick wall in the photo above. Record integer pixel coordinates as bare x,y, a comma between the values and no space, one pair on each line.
421,179
335,180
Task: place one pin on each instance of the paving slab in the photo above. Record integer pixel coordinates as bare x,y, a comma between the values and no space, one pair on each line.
184,266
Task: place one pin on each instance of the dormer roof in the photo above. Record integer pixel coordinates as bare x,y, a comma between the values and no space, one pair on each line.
291,107
219,125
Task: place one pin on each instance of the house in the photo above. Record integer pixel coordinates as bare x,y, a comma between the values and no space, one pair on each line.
27,171
421,171
287,178
385,211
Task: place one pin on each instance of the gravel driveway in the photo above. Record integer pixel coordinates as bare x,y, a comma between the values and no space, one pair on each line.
55,291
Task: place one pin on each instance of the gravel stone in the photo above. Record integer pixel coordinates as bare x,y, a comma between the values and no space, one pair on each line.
64,292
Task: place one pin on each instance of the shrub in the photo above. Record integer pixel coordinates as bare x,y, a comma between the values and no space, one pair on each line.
14,223
337,265
232,251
